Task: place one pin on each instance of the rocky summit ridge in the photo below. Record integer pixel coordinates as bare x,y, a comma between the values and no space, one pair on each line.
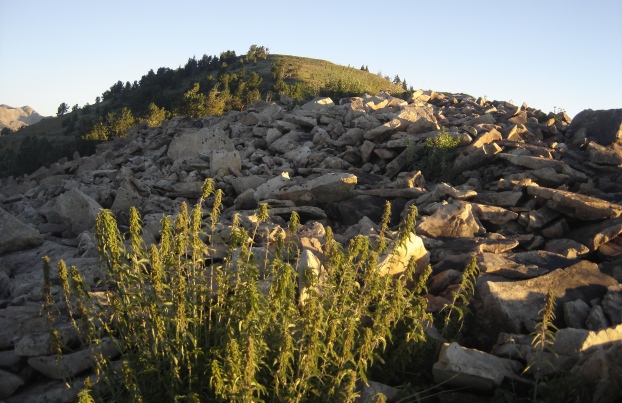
15,118
537,199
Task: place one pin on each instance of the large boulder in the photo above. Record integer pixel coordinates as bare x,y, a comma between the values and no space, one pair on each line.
193,143
417,119
77,210
15,235
396,261
601,126
461,367
327,188
514,306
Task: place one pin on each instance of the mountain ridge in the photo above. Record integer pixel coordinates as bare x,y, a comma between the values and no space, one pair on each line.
16,117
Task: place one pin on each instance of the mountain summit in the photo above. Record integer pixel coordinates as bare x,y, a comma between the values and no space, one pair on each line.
14,118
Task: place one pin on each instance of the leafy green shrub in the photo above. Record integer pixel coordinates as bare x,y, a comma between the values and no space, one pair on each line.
435,160
194,328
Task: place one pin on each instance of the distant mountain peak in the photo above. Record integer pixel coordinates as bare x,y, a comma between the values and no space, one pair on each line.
14,118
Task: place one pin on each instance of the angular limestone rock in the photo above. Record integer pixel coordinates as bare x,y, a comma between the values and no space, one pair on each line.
575,204
513,306
77,210
193,143
397,260
454,220
15,235
323,189
464,367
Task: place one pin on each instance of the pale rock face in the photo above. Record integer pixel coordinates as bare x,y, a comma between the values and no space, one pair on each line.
396,261
15,235
77,210
451,220
192,143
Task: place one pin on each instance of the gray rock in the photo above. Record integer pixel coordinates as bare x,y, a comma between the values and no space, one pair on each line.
499,199
462,367
72,364
15,235
290,141
125,199
595,235
596,319
612,304
417,119
576,205
603,373
601,126
324,189
9,383
510,306
225,161
603,155
576,313
77,210
192,143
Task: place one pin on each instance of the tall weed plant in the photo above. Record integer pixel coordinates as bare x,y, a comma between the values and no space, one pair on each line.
193,328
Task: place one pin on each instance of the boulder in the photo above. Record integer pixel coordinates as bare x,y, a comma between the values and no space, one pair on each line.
612,304
576,313
9,383
72,364
124,200
290,141
15,235
454,220
193,143
223,161
417,119
77,210
605,156
595,235
396,261
514,306
461,367
601,126
603,373
576,205
324,189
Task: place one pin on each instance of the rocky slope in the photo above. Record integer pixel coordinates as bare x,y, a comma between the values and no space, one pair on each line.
14,118
537,200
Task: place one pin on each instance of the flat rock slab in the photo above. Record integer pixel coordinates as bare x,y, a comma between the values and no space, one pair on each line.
324,189
576,205
595,235
522,265
513,306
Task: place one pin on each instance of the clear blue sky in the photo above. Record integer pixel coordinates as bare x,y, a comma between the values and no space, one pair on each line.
565,54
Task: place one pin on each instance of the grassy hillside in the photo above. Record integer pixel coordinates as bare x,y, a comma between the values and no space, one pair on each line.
231,81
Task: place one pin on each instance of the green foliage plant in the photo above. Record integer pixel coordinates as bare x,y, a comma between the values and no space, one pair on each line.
435,161
454,312
543,339
192,327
